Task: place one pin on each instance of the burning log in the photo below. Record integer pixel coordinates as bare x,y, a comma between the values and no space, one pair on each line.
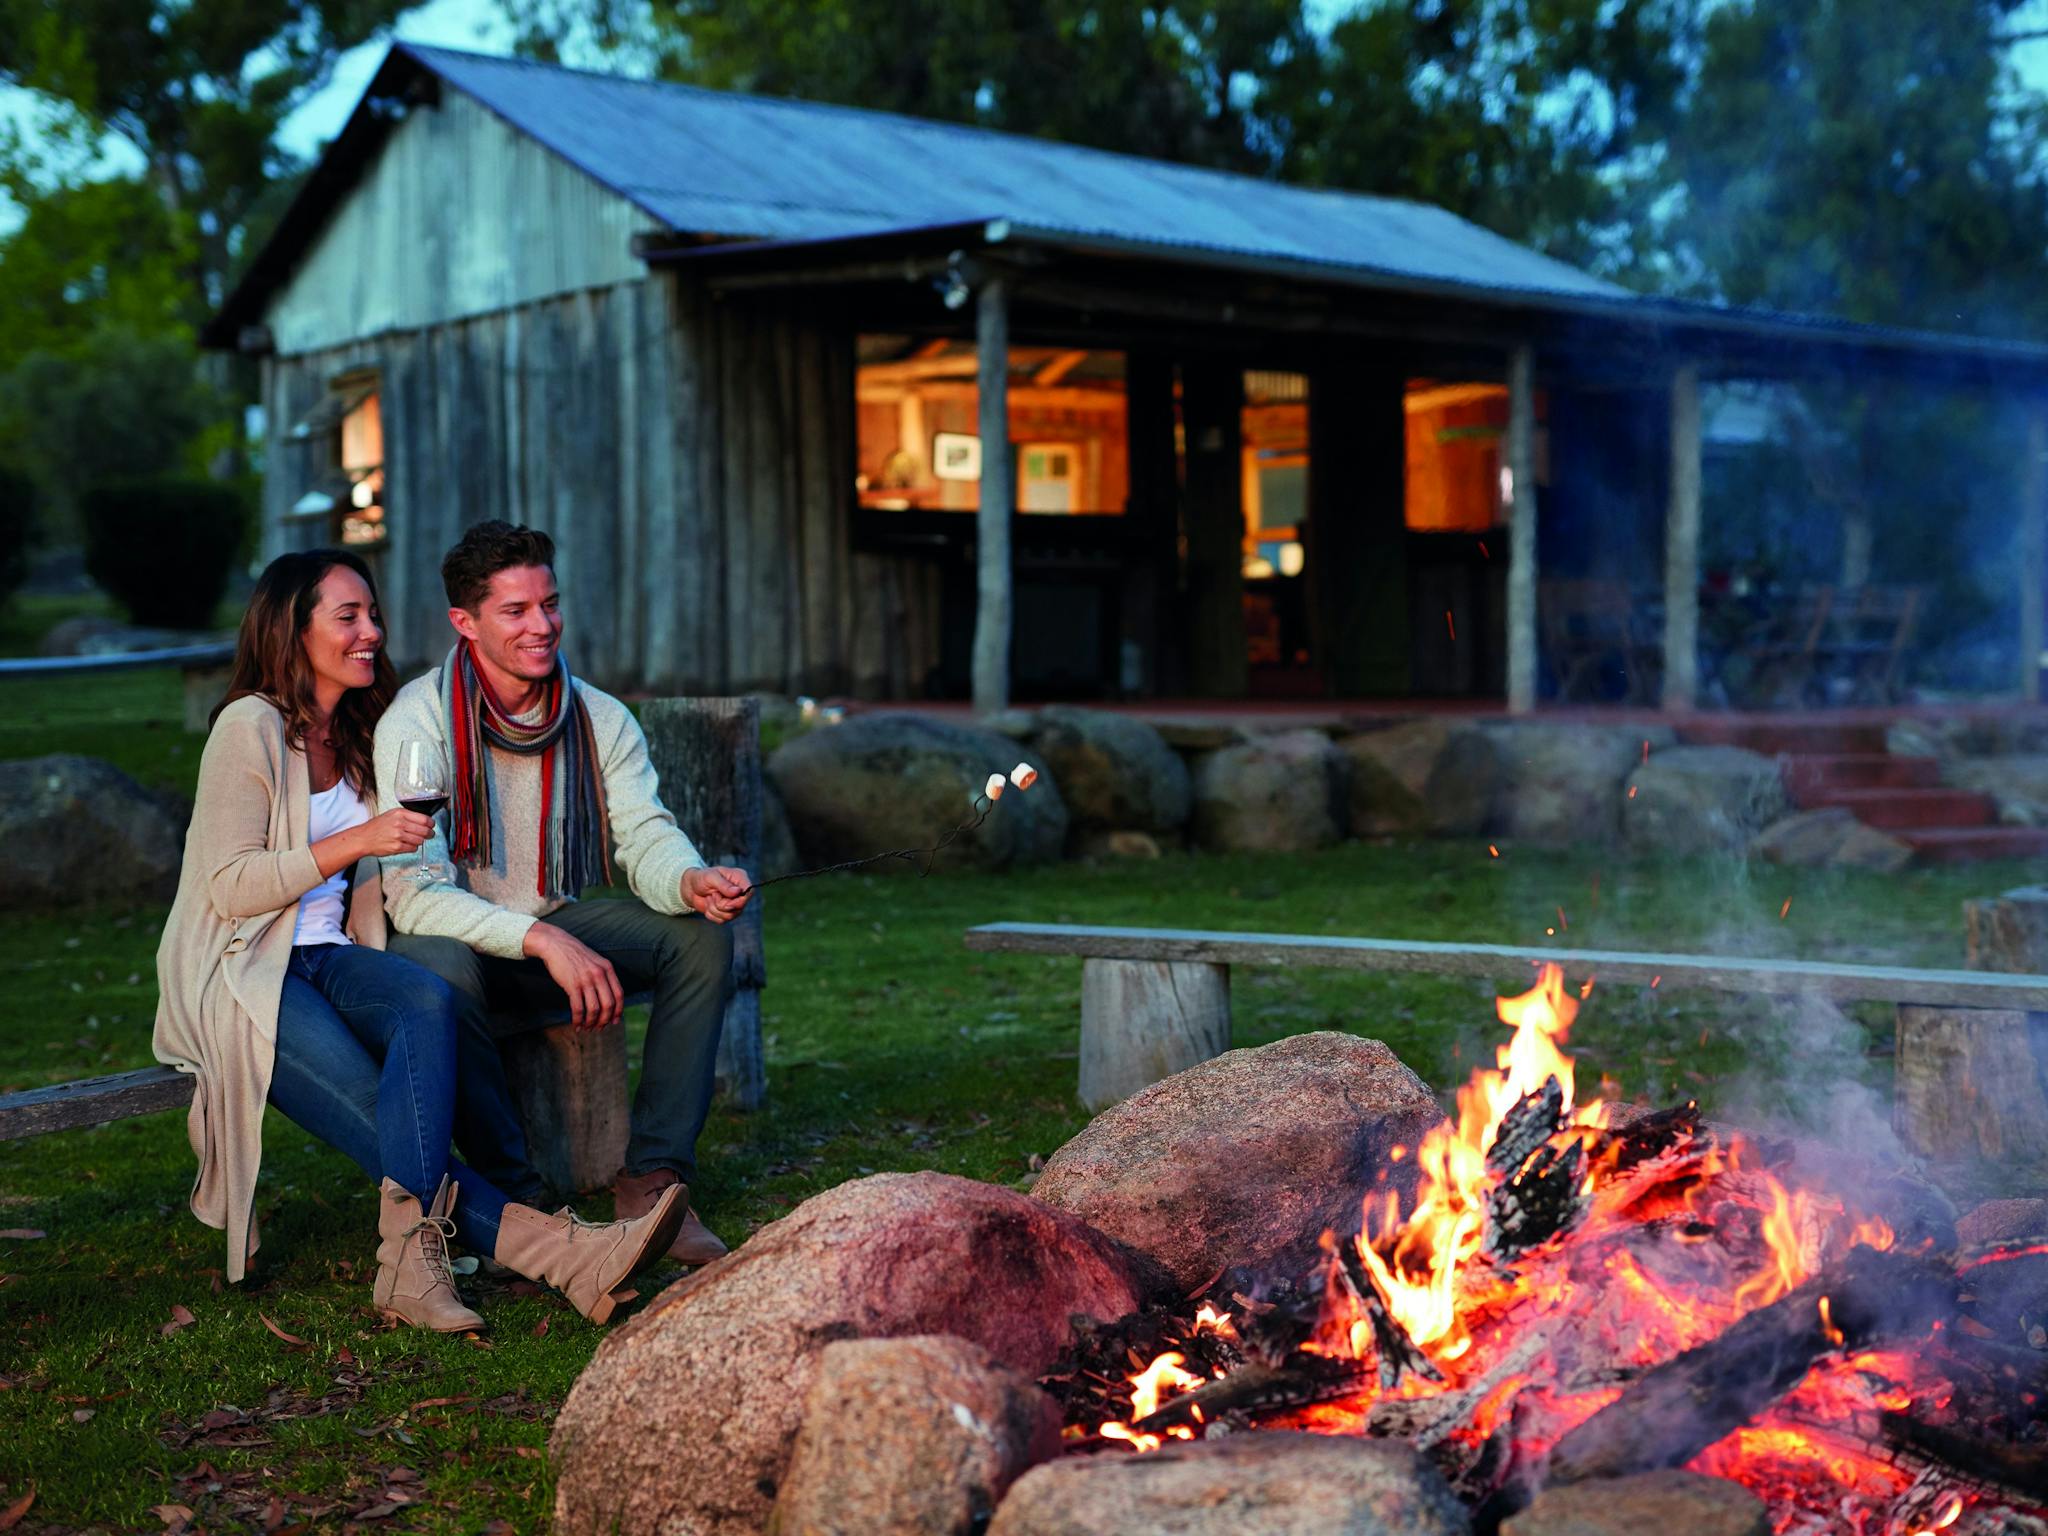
2021,1468
1688,1403
1536,1117
1397,1353
1632,1145
1538,1203
1259,1389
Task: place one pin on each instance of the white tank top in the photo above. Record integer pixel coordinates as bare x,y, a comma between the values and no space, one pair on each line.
321,912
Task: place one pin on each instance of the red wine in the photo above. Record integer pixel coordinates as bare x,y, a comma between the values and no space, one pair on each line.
426,805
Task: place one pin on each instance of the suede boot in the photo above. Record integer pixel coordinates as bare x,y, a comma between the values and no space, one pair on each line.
414,1284
588,1262
634,1193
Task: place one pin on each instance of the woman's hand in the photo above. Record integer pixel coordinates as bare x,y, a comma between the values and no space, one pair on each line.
396,831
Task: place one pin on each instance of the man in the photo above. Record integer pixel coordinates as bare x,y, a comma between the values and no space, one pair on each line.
549,792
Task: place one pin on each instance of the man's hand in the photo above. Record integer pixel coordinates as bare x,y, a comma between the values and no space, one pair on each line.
585,977
719,892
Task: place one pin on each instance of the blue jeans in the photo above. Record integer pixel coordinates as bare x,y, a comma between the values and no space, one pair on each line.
376,1059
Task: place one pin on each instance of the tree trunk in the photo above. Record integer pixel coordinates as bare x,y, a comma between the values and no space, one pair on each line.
1521,467
993,620
1682,546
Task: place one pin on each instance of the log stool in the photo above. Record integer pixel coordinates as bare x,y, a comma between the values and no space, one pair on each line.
569,1085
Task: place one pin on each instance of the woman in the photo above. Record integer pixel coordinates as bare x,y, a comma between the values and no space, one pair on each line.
274,984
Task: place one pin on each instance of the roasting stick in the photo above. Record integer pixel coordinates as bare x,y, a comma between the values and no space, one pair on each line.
1023,776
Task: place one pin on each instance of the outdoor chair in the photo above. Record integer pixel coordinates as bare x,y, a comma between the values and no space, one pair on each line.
1592,628
1863,643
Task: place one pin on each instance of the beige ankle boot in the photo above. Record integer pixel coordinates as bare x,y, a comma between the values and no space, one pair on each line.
414,1284
587,1261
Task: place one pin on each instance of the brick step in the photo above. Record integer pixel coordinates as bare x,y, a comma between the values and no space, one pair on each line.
1899,809
1796,737
1969,845
1808,774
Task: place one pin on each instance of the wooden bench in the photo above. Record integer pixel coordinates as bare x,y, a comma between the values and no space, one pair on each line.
1972,1069
569,1085
206,668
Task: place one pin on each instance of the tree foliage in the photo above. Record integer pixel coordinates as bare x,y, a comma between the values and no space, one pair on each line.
1873,160
198,90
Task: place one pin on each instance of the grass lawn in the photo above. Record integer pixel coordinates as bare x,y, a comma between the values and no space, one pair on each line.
889,1047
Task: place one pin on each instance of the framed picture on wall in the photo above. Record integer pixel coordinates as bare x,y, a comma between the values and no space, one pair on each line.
956,456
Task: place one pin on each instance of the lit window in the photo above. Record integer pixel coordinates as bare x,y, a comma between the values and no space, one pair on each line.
919,410
344,438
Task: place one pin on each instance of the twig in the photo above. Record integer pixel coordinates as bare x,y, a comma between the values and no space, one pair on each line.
930,854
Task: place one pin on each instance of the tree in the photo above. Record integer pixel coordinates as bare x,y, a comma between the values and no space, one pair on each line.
196,89
1872,160
1539,119
1178,82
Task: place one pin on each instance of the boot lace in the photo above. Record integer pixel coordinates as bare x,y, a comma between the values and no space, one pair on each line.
435,1233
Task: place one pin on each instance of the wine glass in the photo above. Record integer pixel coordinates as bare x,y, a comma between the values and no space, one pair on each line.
423,787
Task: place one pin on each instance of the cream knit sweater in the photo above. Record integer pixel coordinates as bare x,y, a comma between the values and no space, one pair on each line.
491,909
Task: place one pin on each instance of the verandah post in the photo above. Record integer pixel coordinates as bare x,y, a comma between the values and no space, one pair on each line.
992,612
1682,545
1521,489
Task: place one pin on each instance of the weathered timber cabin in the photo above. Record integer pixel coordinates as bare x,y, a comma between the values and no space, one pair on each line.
829,401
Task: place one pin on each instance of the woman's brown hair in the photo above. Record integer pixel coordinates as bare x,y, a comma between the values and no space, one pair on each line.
270,662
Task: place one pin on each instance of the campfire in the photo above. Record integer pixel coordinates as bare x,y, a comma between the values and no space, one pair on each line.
1547,1290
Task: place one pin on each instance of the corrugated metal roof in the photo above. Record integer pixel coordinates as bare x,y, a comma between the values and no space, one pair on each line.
717,162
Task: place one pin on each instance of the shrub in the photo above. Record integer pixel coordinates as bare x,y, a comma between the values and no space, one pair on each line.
17,528
164,548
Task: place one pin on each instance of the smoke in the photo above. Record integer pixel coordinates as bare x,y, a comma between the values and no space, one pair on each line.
1809,1081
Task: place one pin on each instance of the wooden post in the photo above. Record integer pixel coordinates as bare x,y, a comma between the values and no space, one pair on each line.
707,755
1212,407
1682,545
569,1086
1521,466
992,612
1970,1087
2033,551
1142,1020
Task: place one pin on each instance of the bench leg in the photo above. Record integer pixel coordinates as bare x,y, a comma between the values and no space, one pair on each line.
1142,1020
570,1089
1972,1086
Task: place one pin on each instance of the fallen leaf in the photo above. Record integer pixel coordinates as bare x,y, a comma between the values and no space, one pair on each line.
172,1514
273,1517
214,1276
219,1418
402,1475
343,1357
540,1329
82,1415
181,1317
377,1511
527,1452
440,1402
10,1517
290,1338
23,1234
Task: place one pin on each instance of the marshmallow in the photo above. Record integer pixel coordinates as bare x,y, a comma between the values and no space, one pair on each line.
1023,775
993,789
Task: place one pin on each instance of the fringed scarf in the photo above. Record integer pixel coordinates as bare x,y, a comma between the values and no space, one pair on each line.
575,847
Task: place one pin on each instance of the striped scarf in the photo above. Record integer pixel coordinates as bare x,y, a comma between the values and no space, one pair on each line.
575,850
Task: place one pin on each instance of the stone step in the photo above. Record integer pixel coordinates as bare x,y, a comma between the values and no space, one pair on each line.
1808,774
1796,736
1968,845
1900,809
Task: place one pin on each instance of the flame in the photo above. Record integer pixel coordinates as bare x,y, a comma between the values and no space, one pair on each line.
1147,1387
1416,1261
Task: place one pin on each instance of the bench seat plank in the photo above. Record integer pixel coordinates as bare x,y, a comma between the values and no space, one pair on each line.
1783,978
93,1101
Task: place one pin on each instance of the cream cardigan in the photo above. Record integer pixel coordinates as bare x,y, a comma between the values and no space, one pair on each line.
220,967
